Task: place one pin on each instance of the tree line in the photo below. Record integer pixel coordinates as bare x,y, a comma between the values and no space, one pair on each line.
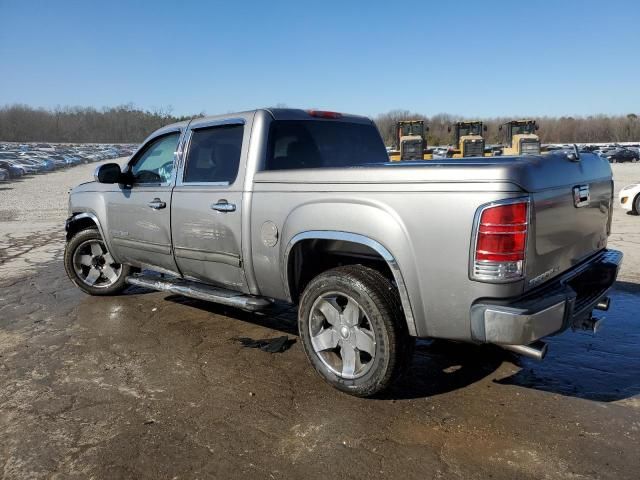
120,124
130,124
591,129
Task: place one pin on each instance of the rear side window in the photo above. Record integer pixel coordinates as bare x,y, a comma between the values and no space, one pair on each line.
323,144
214,155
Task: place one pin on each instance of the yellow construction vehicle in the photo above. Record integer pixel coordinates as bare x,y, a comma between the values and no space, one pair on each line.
468,139
519,138
411,141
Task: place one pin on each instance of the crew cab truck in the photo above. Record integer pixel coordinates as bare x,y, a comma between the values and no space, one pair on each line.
305,207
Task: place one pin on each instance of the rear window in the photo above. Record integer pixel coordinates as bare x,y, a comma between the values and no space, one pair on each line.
323,144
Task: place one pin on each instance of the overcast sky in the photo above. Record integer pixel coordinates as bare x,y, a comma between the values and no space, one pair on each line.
475,59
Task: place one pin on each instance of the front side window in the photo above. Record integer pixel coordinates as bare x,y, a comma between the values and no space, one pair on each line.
155,164
214,155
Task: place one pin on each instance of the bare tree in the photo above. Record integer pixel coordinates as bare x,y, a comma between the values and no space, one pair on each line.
128,123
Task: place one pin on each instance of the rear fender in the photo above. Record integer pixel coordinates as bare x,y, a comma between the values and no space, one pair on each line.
368,223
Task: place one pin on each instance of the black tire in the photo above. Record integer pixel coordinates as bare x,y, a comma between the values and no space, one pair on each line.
636,205
108,287
381,310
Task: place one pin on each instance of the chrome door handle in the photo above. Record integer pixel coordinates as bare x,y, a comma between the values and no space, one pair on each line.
224,206
157,204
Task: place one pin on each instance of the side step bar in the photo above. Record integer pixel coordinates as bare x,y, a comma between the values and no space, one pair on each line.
200,291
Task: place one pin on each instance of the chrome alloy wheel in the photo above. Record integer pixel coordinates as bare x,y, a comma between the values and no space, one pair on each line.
94,265
341,335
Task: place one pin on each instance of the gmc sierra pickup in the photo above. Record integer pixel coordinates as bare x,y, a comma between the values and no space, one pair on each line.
305,207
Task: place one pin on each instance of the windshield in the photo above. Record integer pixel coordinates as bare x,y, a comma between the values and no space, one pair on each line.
470,129
522,129
413,128
323,144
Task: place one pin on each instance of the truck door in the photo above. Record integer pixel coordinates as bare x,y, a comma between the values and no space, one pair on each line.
206,208
138,215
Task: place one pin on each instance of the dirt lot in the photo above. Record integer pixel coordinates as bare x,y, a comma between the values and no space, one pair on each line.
148,385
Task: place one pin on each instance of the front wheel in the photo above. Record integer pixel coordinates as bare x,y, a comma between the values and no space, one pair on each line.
353,330
91,267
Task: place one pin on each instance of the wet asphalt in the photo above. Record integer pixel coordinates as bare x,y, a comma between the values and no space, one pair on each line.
151,385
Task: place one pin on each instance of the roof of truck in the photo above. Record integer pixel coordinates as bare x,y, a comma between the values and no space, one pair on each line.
277,114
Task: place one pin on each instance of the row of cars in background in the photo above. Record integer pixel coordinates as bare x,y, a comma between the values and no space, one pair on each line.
615,153
21,160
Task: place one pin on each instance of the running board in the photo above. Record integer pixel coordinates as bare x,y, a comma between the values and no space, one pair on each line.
200,291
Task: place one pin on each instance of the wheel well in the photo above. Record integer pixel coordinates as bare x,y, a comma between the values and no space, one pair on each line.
310,257
76,226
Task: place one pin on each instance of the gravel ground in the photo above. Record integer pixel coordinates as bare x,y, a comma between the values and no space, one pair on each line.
150,385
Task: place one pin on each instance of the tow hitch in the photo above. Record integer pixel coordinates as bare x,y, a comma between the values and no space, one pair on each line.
591,324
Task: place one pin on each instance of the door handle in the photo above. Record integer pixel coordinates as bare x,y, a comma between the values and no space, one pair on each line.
224,206
157,204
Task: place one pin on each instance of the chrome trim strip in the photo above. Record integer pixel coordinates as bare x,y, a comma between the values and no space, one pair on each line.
202,255
361,239
90,216
142,245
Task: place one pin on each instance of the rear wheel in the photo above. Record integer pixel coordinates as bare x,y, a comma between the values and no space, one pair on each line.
353,330
91,267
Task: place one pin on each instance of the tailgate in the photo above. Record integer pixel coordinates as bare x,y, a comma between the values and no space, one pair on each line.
569,222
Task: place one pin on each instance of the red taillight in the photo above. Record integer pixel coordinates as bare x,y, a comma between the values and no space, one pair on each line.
501,242
502,233
324,114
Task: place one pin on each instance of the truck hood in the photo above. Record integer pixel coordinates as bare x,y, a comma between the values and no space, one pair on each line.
93,187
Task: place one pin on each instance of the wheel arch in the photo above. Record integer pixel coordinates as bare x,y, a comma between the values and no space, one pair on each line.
81,221
293,289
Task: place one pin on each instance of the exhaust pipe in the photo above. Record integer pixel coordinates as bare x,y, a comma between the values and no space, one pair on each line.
536,350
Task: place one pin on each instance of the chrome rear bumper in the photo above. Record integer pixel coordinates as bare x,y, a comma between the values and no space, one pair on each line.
552,308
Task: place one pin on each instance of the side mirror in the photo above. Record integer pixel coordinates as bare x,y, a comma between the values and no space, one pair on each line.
484,128
108,173
449,129
500,128
537,127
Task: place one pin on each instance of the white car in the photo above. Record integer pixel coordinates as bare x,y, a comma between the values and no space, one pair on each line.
630,198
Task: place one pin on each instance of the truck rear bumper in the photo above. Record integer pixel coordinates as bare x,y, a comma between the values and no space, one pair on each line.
550,309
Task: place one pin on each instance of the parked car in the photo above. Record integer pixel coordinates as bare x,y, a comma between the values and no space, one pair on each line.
630,198
622,155
304,207
440,152
4,175
14,170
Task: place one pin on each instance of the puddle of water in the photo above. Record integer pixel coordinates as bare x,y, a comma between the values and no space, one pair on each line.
604,367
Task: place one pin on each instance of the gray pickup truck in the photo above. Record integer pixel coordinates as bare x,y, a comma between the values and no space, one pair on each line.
305,207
